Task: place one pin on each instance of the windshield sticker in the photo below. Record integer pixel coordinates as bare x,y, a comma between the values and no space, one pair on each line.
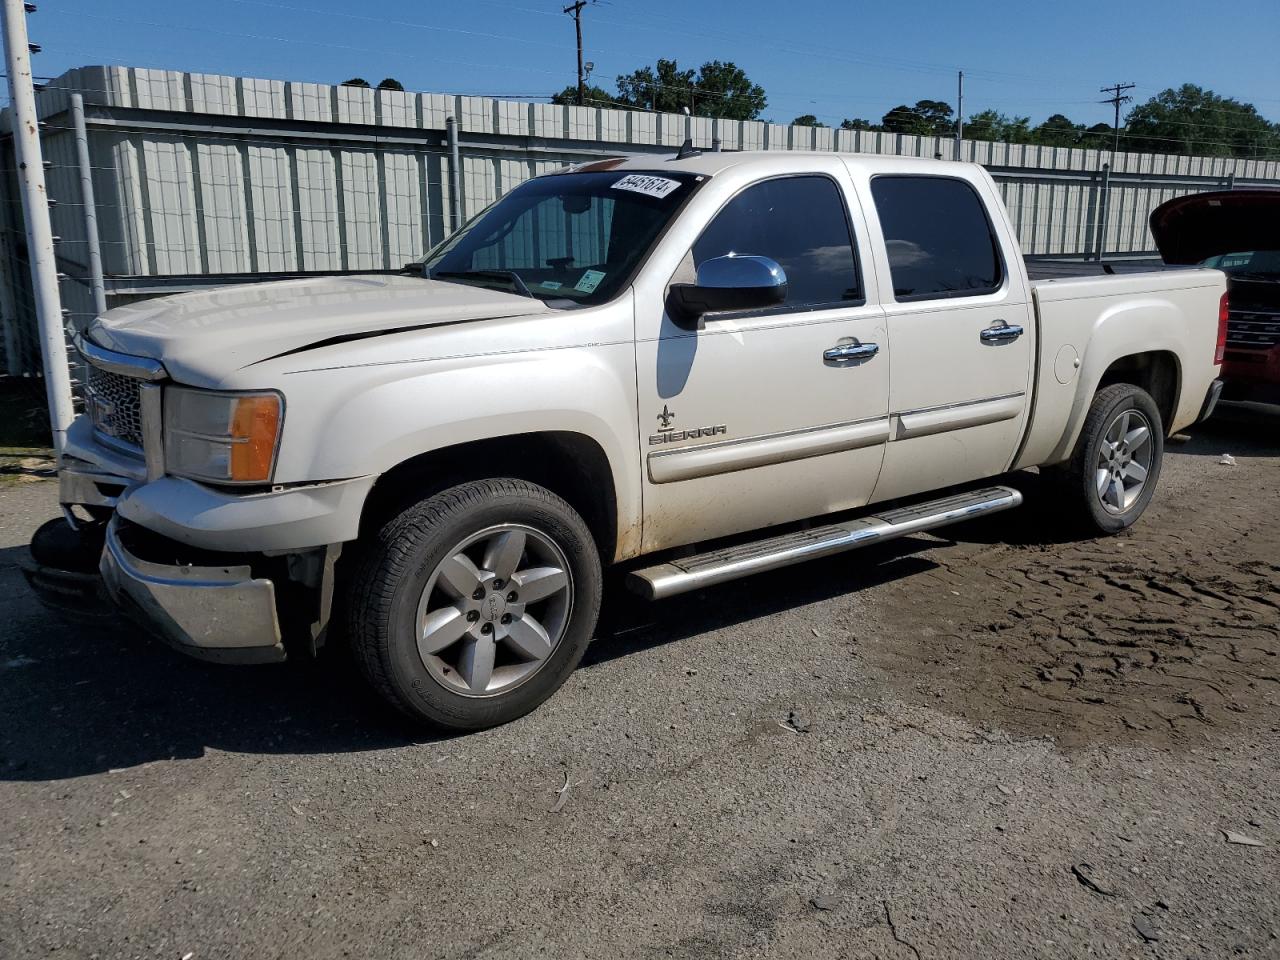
550,284
657,187
588,282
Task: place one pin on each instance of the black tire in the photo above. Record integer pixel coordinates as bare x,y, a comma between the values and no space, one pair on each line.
393,567
56,544
1078,479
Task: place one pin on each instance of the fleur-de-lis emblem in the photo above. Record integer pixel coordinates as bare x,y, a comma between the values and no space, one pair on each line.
665,417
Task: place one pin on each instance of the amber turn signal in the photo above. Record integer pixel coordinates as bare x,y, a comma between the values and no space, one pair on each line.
255,424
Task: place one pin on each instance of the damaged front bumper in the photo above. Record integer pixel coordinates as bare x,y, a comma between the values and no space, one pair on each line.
214,612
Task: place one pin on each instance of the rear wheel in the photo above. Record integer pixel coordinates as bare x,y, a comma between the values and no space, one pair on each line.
1112,475
473,606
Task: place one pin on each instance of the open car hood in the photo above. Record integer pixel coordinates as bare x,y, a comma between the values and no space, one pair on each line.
1193,228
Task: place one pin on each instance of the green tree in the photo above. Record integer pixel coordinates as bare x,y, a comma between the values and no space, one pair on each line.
1194,120
725,90
665,87
355,82
1097,136
1058,131
594,96
928,118
991,125
716,89
390,83
857,123
807,120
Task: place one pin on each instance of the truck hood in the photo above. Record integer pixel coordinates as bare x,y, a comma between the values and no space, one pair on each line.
199,336
1194,228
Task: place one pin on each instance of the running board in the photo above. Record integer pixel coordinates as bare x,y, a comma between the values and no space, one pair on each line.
730,563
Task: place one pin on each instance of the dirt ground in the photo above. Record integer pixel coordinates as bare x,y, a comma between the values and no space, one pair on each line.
998,743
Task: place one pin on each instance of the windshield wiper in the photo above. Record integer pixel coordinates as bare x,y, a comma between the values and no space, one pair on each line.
510,276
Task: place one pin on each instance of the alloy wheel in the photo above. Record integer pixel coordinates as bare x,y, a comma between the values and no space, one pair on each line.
1124,461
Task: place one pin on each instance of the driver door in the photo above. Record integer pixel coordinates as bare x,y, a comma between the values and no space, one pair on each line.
758,418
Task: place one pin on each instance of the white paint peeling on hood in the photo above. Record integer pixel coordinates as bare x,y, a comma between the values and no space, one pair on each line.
205,335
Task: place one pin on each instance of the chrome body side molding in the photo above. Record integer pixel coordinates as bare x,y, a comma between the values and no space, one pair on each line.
957,416
726,456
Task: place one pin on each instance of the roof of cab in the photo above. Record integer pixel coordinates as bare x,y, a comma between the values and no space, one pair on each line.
710,163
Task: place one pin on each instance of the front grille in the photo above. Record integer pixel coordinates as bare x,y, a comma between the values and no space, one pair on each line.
114,404
1253,328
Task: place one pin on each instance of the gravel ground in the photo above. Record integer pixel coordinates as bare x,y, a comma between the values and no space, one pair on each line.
987,745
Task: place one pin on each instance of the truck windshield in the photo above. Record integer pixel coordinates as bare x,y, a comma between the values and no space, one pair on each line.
1248,264
576,238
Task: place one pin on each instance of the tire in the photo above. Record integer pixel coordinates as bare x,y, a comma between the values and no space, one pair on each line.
56,544
440,567
1093,502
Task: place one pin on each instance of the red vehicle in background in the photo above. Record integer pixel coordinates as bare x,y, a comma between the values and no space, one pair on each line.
1237,232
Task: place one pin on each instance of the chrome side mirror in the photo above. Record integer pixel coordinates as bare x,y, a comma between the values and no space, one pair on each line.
734,282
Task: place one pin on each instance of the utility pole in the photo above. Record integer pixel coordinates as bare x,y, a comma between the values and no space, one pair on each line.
959,113
35,210
1118,96
575,10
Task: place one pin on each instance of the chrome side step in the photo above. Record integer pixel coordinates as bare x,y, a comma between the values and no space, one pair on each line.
719,566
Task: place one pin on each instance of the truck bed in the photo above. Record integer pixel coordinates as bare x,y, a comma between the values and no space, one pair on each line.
1169,311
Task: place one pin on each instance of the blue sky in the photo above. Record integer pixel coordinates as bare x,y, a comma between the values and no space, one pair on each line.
832,59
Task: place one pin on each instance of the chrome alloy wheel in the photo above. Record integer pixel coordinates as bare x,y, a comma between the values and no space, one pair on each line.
494,610
1124,460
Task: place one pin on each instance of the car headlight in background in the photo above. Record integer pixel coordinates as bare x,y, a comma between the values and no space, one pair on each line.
221,437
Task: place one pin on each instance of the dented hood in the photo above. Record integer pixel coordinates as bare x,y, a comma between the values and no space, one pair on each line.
202,335
1194,228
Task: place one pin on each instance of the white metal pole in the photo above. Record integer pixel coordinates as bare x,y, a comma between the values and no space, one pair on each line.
90,209
35,209
455,174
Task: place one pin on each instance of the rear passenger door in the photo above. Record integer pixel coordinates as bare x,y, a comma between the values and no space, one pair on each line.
960,332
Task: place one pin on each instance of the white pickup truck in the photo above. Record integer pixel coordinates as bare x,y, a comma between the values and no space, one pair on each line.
701,368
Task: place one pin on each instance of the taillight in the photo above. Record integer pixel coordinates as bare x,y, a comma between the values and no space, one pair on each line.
1224,313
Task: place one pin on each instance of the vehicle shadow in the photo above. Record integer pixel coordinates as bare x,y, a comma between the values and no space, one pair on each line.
87,695
629,624
1240,429
91,695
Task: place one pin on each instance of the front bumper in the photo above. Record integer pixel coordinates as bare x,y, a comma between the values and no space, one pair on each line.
219,613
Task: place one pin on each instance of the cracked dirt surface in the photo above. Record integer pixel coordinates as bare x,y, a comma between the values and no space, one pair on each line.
902,754
1152,637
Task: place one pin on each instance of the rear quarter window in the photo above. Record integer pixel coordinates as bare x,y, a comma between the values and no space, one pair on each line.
938,237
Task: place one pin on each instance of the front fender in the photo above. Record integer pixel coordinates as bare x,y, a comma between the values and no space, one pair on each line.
367,420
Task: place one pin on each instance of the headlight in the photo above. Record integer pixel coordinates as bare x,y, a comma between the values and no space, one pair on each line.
221,437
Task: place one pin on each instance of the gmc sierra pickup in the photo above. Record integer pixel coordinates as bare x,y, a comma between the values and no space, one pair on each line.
701,367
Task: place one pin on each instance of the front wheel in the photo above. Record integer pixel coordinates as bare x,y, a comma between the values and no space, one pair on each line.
1112,475
471,607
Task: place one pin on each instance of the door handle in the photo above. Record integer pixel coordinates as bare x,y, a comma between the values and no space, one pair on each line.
850,352
1000,332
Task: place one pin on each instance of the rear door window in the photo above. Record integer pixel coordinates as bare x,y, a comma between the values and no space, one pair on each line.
938,237
801,223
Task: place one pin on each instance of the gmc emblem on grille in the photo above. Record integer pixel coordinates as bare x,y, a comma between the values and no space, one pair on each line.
101,413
